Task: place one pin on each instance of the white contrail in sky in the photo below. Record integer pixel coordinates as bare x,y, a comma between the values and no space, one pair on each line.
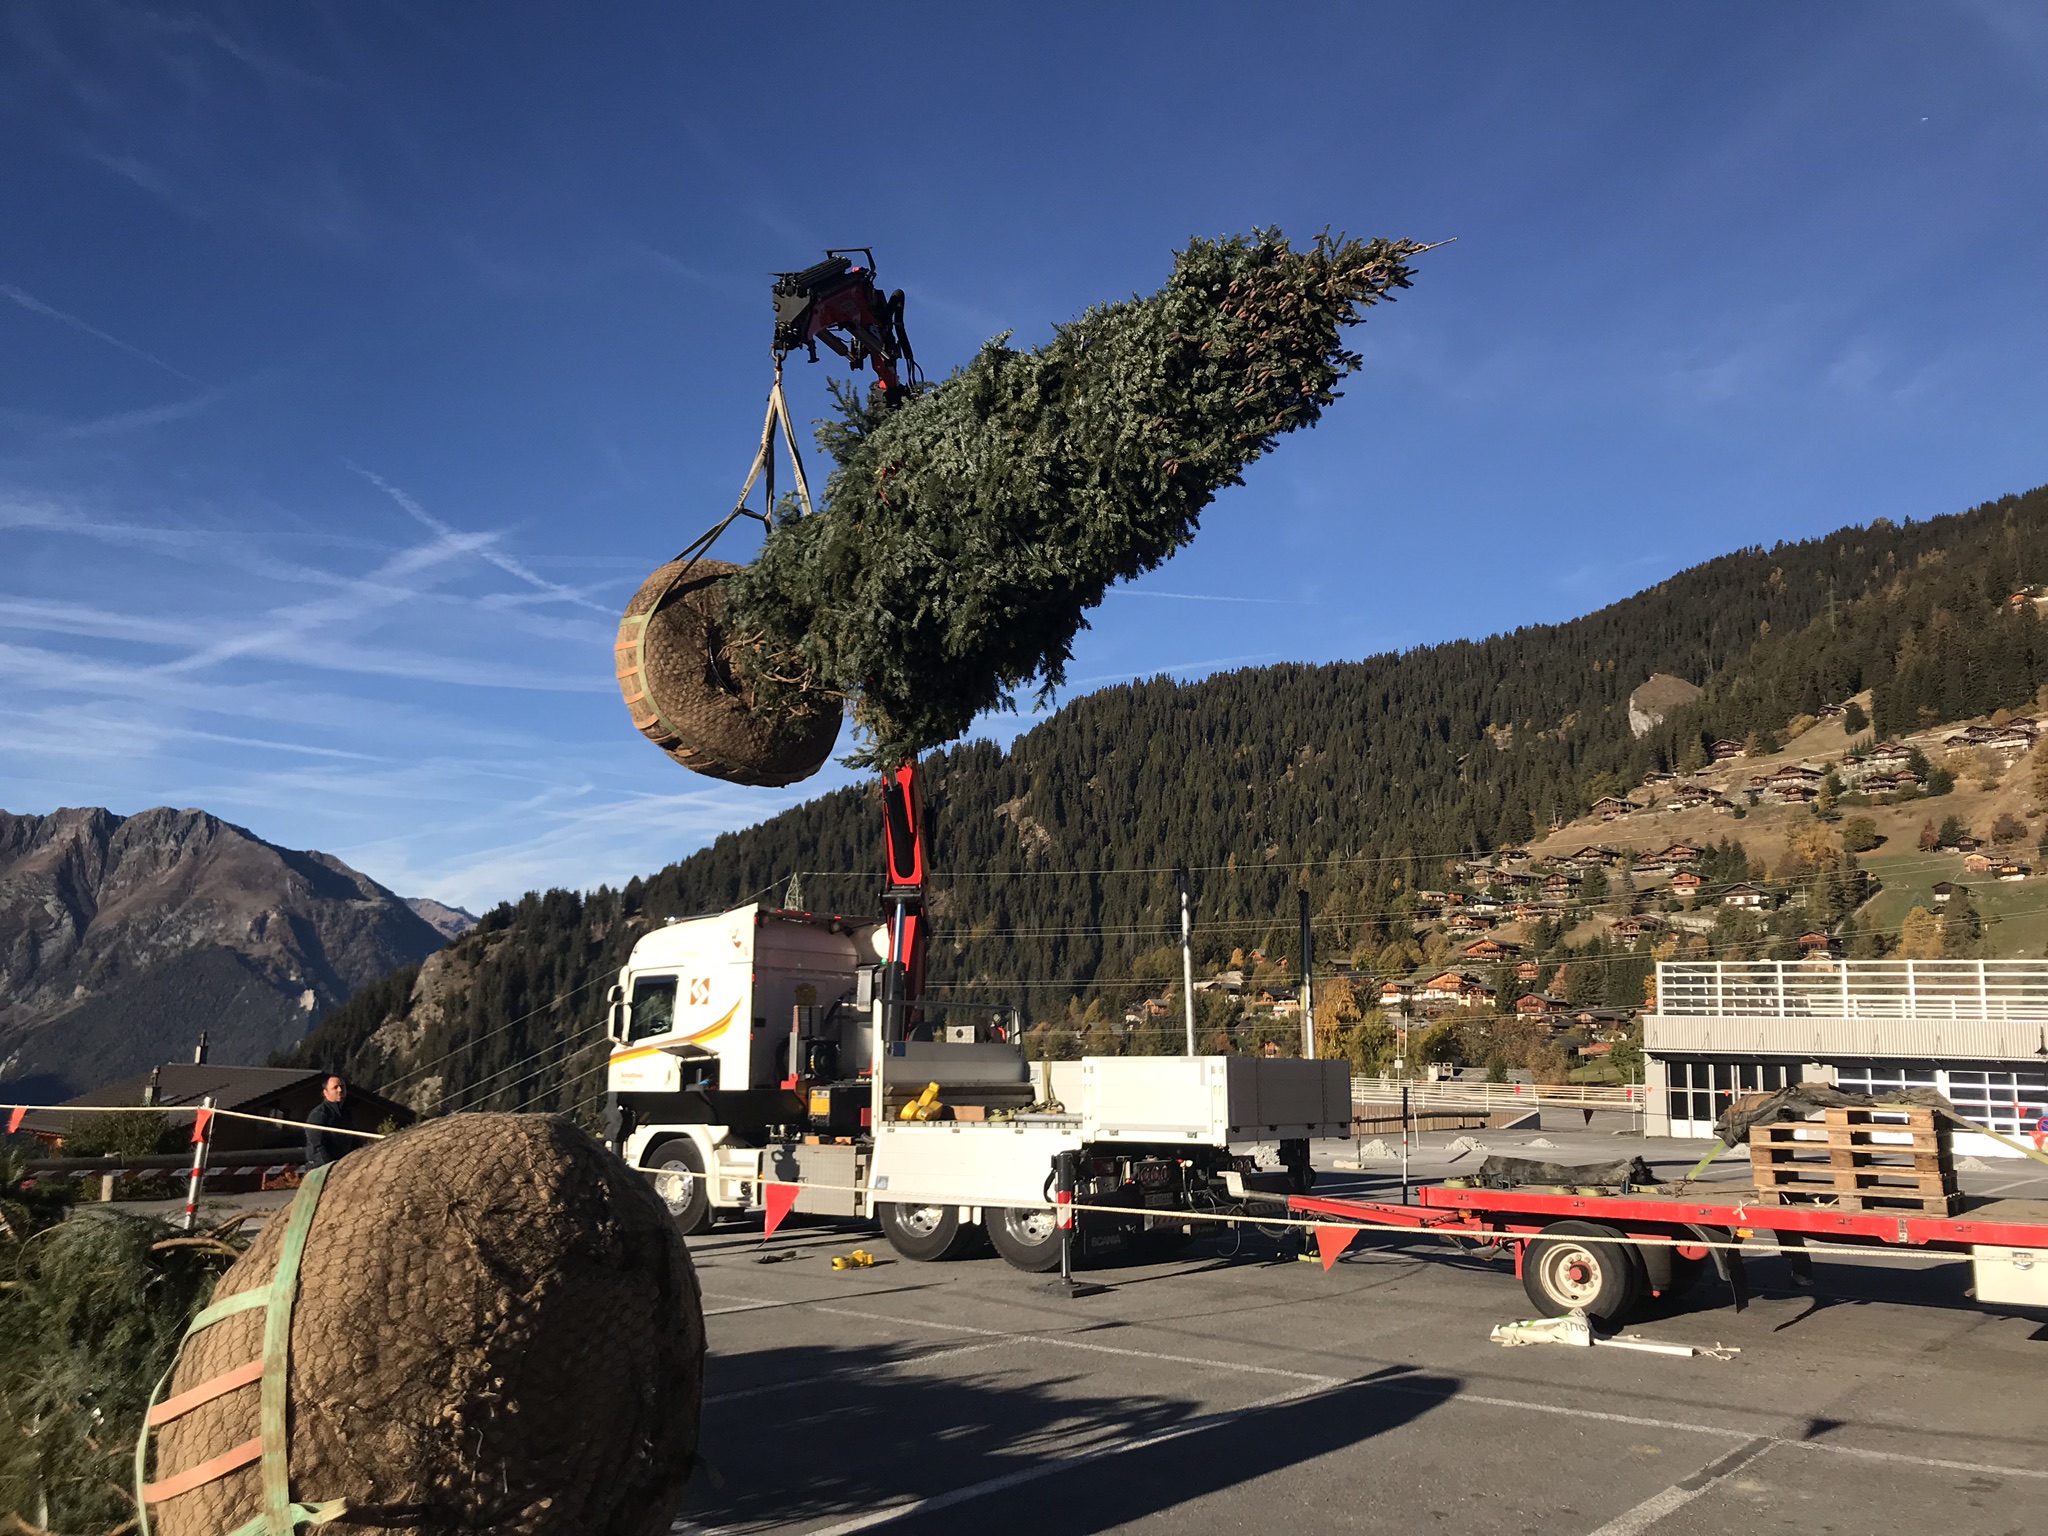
503,562
34,305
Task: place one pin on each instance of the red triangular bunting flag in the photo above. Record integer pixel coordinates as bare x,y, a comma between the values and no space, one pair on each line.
14,1120
780,1199
1331,1241
199,1120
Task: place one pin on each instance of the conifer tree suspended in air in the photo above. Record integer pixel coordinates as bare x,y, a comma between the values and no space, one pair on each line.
968,532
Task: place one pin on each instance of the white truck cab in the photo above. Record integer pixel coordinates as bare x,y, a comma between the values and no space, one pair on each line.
714,1023
754,1047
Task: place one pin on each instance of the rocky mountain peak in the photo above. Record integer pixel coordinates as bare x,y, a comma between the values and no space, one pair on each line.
123,936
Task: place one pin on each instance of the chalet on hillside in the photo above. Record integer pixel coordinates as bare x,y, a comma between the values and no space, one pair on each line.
1560,888
1540,1005
1395,994
1593,854
1818,945
1528,970
1726,751
1464,924
1610,808
1455,987
2014,871
1686,882
1977,863
1944,889
1490,949
1524,911
1743,894
1633,928
1688,797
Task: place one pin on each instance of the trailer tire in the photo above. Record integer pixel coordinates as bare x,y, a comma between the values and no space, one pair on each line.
1028,1237
927,1234
1564,1268
678,1168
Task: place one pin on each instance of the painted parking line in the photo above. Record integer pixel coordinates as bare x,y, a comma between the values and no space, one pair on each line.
1635,1521
1058,1463
1061,1341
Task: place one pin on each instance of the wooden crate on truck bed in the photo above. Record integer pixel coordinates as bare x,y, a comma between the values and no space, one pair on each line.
1857,1159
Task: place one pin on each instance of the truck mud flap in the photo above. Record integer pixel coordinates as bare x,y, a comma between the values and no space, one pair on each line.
1727,1262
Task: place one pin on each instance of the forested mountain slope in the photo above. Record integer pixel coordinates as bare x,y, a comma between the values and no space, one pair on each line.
1053,861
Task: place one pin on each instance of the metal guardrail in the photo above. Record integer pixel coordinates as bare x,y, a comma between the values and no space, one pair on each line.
2001,991
1491,1096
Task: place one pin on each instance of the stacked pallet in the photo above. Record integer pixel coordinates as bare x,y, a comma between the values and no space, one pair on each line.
1857,1160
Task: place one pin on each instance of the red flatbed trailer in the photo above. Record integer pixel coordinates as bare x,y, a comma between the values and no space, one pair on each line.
1575,1250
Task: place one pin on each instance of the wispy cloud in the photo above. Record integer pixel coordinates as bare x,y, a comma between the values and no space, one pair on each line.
1204,597
1174,669
482,547
36,306
121,423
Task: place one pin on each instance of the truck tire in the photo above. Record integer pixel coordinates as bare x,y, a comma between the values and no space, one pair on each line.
678,1169
1028,1237
1565,1266
925,1233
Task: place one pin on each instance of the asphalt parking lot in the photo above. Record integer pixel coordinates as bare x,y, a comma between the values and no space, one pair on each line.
1239,1389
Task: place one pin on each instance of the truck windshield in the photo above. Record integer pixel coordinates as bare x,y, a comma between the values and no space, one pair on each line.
654,1006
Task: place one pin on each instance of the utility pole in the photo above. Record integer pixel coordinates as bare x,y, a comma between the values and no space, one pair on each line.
1308,974
1187,957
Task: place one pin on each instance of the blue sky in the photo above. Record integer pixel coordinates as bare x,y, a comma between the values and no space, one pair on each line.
357,361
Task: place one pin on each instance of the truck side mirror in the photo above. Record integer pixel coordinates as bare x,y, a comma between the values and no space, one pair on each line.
615,1012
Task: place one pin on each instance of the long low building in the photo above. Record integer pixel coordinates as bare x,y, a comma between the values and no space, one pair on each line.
1976,1031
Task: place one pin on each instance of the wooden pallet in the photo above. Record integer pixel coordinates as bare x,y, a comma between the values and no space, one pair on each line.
1840,1161
1873,1202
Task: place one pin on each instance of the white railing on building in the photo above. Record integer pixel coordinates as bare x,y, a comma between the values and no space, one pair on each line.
1424,1094
1999,991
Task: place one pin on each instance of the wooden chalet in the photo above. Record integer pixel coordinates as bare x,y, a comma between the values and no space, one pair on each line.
1490,949
1455,987
275,1093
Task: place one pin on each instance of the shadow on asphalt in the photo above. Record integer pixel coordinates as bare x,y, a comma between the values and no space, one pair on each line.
863,1428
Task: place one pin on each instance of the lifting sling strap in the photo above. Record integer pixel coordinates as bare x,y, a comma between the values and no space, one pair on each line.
270,1373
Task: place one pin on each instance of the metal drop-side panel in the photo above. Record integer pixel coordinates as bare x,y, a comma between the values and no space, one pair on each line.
1213,1100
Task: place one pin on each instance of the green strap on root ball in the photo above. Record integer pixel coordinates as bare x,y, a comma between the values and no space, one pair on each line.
280,1517
969,531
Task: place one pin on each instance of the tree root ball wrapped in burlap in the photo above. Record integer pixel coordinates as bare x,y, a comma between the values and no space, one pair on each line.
497,1329
686,696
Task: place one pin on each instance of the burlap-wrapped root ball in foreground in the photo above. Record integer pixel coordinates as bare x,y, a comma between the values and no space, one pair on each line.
497,1329
677,675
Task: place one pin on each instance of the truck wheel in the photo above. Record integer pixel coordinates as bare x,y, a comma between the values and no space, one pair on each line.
926,1233
1566,1266
678,1169
1027,1237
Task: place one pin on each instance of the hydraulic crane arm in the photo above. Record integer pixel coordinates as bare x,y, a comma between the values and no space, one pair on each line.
837,302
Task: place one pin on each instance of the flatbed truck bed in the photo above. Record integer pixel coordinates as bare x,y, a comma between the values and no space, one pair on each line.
1605,1253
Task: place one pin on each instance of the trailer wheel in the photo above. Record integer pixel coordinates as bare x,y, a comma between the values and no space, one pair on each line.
926,1233
678,1169
1566,1267
1027,1237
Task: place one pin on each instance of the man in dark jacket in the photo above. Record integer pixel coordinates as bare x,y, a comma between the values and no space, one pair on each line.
322,1144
